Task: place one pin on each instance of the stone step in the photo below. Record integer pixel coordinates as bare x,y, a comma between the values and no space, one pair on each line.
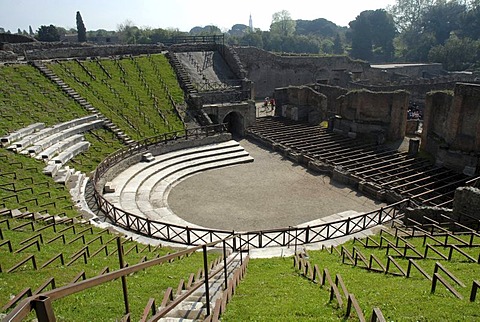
189,310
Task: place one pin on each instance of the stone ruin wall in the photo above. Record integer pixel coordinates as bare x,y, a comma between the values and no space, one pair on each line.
42,50
301,103
418,88
452,126
269,71
382,114
378,115
332,93
467,201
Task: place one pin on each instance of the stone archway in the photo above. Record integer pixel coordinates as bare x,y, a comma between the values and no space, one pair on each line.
235,123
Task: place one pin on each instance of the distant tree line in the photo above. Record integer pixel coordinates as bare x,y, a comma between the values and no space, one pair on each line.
444,31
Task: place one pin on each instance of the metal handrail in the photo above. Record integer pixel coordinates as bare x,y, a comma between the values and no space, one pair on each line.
42,302
198,236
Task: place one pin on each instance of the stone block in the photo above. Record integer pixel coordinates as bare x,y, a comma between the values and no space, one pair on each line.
109,187
147,157
51,169
469,171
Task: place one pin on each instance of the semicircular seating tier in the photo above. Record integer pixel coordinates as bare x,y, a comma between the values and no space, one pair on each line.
55,145
143,188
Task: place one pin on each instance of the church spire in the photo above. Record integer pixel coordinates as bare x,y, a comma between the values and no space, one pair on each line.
250,23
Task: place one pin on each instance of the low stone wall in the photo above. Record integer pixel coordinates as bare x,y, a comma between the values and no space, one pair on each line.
418,213
91,51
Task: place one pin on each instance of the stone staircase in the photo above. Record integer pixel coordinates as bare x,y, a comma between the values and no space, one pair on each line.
193,307
182,75
82,101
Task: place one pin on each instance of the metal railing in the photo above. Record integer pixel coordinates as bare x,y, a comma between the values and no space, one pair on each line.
42,303
208,39
252,239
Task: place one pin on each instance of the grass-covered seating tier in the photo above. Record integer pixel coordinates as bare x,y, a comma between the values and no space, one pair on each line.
139,94
43,256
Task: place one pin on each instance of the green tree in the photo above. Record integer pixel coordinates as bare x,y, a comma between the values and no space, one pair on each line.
319,27
442,19
372,34
456,54
48,33
239,30
337,45
407,13
471,21
81,30
416,45
127,32
282,24
30,31
360,33
254,39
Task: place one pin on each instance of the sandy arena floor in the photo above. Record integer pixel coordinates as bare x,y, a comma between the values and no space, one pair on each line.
271,192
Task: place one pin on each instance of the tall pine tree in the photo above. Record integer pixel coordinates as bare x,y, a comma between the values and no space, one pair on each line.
81,30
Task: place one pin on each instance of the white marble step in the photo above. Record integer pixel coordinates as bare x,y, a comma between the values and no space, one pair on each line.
123,178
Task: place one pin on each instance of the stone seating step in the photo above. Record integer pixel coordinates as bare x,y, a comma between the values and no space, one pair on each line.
194,306
124,177
151,197
37,136
20,134
62,175
51,169
146,197
71,152
46,142
49,152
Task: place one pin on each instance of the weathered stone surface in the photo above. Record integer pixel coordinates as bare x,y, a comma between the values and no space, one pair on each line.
269,71
467,201
452,125
366,112
301,103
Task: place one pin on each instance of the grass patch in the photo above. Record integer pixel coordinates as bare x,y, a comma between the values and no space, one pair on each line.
28,97
274,291
101,303
128,91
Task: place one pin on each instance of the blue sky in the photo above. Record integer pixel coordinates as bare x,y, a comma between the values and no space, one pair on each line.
183,14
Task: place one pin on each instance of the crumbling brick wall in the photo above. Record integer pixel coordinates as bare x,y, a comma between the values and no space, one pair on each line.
332,93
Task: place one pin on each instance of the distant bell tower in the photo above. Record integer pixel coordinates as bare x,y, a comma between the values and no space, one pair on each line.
250,23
